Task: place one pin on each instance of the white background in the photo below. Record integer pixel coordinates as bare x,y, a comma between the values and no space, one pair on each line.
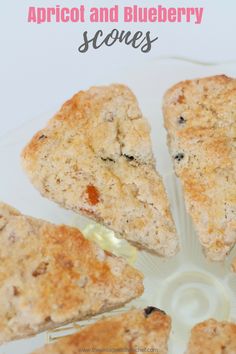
41,67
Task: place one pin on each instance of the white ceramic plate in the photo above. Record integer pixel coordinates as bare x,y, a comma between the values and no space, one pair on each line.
187,287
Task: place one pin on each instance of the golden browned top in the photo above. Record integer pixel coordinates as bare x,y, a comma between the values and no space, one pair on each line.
95,157
51,275
212,337
128,332
200,116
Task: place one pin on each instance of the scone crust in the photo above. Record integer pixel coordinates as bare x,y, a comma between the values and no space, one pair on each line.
200,117
213,337
127,332
95,157
51,275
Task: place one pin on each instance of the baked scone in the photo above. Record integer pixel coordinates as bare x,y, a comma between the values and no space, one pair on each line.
95,158
200,117
137,330
51,275
213,337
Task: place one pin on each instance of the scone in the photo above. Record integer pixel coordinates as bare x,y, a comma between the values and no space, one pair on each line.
213,337
95,158
51,275
137,330
200,117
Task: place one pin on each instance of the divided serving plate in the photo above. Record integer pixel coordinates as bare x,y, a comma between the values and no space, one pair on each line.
188,287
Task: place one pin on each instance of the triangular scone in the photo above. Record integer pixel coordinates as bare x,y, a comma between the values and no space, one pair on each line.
95,157
51,275
135,331
200,117
213,337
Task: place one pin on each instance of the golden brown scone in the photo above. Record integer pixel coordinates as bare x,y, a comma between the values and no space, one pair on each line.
95,157
200,117
137,330
51,275
213,337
